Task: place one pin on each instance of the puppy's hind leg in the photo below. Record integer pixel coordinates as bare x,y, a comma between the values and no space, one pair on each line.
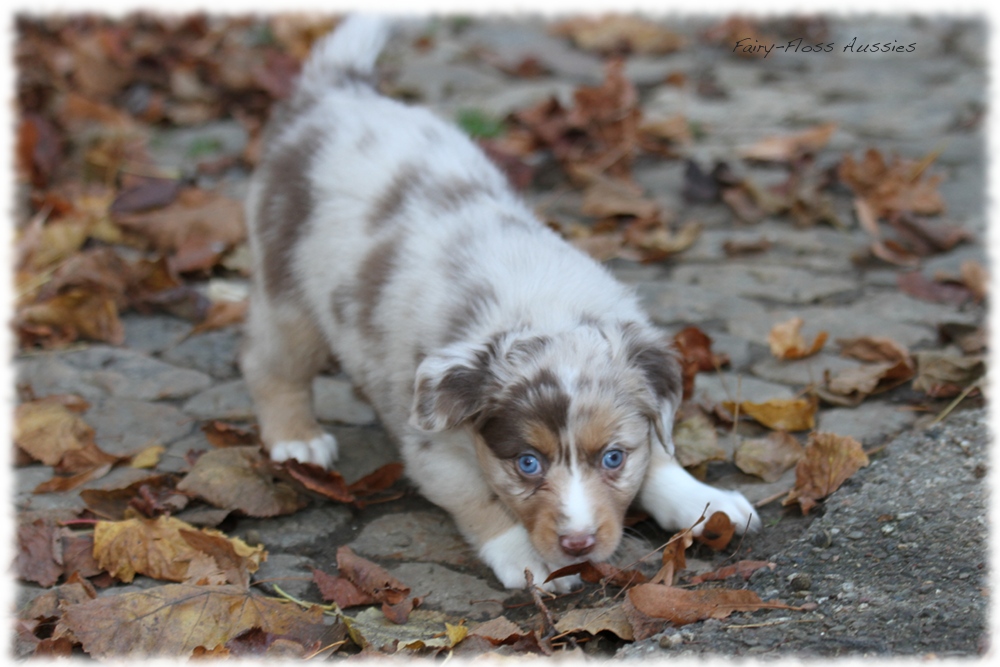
282,352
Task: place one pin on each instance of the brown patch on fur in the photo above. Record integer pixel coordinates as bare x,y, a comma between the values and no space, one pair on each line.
449,196
475,301
657,361
594,430
286,204
375,272
407,180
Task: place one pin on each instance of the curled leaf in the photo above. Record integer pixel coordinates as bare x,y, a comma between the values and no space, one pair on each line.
828,461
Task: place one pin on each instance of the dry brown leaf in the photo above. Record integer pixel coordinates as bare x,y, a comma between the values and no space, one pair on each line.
74,314
743,568
976,278
786,340
855,384
377,481
788,147
768,458
918,286
498,631
681,606
239,478
942,375
162,548
174,620
371,578
328,483
675,129
717,531
72,481
593,621
222,434
39,553
872,348
893,187
151,496
614,33
672,558
340,590
779,414
196,217
828,461
651,240
594,573
46,429
696,441
221,314
607,197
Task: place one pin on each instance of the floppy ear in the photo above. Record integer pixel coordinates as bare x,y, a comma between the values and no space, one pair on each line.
451,387
656,359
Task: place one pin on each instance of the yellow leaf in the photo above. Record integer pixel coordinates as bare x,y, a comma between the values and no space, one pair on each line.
149,457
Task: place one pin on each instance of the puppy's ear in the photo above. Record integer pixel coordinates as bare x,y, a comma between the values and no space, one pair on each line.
656,359
451,386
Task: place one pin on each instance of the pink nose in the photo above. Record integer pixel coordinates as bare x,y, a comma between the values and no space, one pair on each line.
577,544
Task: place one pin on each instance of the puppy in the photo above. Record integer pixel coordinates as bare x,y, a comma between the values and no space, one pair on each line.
529,393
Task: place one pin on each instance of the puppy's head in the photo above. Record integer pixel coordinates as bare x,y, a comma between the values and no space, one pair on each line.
563,425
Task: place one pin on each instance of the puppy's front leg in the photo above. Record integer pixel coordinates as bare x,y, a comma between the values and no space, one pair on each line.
676,499
445,467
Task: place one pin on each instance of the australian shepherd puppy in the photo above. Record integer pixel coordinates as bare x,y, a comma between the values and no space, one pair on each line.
529,393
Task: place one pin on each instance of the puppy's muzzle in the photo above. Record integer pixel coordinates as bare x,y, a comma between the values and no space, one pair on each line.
577,544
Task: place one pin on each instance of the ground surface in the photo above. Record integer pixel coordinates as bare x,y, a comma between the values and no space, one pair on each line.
896,560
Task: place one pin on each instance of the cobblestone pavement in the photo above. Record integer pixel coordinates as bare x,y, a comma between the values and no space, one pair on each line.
163,383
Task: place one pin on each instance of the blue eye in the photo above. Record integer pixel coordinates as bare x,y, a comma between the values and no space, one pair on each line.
529,464
613,459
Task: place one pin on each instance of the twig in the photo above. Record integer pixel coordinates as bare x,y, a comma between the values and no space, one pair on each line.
548,625
766,624
330,608
954,404
334,645
771,499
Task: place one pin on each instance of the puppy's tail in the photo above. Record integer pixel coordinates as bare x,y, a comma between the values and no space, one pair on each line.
346,56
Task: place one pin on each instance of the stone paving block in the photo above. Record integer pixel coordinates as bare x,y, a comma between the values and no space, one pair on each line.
124,426
839,322
213,352
868,423
46,374
452,592
173,457
802,372
713,388
668,302
334,400
777,283
426,536
292,573
153,334
129,374
363,449
305,528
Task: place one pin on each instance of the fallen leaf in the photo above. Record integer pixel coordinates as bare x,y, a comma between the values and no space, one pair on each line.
234,557
39,553
151,496
942,375
148,457
72,315
615,33
893,187
872,348
175,619
743,568
916,285
340,590
717,531
786,341
162,549
788,147
148,194
426,629
371,578
377,481
828,461
673,559
195,217
69,482
327,483
681,606
976,278
223,434
498,631
779,414
46,429
769,457
607,197
221,314
742,248
593,621
239,478
695,440
595,573
694,348
851,386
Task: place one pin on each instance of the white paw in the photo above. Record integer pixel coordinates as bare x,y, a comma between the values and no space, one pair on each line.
510,553
321,450
677,500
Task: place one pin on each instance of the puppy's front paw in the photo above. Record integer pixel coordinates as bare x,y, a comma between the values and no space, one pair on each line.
321,450
676,500
510,553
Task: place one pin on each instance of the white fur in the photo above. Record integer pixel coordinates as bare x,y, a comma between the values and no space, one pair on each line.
415,263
